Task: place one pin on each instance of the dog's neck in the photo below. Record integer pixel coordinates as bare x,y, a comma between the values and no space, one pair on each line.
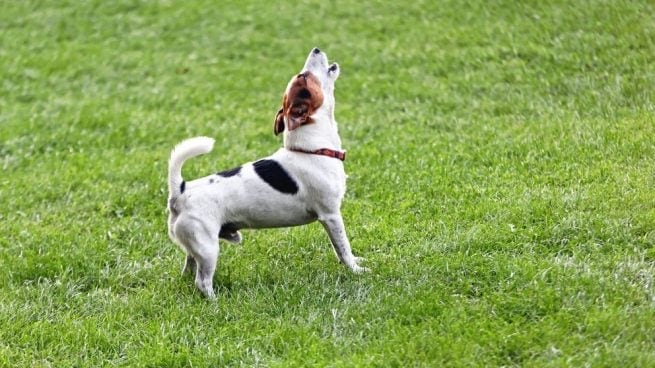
321,133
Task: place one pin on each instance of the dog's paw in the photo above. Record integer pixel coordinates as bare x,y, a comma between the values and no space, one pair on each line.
356,268
360,269
231,236
206,289
210,295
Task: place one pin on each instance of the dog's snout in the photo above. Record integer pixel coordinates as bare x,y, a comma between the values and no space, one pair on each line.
316,50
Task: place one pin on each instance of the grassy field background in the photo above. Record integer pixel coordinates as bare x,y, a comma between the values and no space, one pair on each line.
501,176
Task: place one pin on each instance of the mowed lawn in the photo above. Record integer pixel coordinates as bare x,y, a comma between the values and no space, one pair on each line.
501,161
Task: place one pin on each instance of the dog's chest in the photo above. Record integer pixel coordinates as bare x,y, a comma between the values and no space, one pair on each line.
320,176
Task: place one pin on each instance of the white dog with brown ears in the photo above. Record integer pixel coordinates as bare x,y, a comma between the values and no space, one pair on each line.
300,183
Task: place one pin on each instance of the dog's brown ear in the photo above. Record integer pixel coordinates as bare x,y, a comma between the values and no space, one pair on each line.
278,124
298,114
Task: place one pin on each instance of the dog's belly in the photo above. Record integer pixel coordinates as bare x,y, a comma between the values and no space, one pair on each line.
267,215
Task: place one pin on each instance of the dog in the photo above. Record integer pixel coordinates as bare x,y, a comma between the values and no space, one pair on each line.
302,182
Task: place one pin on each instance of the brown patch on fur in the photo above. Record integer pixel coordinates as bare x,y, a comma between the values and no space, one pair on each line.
302,99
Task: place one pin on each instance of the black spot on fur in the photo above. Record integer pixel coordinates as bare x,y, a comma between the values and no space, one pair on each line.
211,180
231,172
272,173
182,187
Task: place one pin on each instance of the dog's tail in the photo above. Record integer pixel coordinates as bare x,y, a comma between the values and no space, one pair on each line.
183,151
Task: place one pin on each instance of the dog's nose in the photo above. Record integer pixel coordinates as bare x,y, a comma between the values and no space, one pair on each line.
316,50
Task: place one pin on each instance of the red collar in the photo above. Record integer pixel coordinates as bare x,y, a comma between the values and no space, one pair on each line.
341,155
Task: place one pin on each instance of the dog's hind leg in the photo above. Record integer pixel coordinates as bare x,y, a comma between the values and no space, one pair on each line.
206,250
189,266
201,244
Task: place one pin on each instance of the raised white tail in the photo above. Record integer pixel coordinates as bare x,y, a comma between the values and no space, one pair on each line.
183,151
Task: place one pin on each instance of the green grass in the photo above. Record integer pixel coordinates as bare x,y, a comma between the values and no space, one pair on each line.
501,175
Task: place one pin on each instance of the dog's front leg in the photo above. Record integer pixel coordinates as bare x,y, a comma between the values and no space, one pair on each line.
336,230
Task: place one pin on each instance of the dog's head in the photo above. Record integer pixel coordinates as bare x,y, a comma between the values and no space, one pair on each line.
308,94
